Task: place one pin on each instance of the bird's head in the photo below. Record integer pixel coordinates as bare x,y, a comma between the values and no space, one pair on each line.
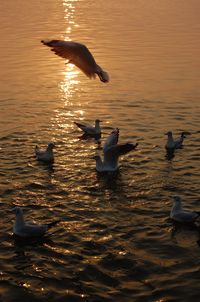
169,133
177,199
116,130
50,146
97,121
17,211
96,157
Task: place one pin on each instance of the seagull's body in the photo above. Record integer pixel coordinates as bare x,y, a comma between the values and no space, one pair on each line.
45,155
28,229
172,143
111,151
79,55
88,130
180,215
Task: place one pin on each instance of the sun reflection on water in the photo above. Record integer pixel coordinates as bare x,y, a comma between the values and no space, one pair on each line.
69,82
70,74
69,85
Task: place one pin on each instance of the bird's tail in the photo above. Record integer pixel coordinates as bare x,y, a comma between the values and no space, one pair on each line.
51,224
79,125
103,75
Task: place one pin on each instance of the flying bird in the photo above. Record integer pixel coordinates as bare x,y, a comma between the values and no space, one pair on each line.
111,153
172,143
89,130
180,215
25,229
79,55
45,155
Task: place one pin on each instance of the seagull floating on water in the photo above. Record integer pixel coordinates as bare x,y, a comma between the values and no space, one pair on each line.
45,155
172,143
91,131
29,229
180,215
79,55
112,151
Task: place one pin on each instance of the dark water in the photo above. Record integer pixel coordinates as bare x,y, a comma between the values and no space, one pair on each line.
115,241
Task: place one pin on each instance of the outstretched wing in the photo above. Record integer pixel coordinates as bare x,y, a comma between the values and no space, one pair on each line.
122,149
76,53
112,154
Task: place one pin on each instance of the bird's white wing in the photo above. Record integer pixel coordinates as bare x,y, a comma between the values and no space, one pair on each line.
88,129
112,153
112,139
185,216
31,230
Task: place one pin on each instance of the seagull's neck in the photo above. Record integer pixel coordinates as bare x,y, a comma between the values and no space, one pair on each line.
97,126
176,207
170,142
170,138
49,149
19,221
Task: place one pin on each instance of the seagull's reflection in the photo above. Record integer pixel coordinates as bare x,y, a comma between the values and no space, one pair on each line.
96,138
109,180
180,227
170,155
20,242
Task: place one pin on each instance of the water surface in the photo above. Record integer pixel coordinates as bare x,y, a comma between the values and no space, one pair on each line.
116,242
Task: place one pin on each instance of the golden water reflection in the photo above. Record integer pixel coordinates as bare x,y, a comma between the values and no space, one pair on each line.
70,83
67,86
70,73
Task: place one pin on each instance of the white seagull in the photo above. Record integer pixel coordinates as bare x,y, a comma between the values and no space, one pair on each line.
172,143
45,155
79,55
29,229
88,130
180,215
112,151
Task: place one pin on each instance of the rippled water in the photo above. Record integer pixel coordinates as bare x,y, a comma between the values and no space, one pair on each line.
115,241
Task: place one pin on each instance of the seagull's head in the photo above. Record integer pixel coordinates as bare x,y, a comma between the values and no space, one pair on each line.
96,157
169,133
177,199
115,131
17,211
97,121
50,146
